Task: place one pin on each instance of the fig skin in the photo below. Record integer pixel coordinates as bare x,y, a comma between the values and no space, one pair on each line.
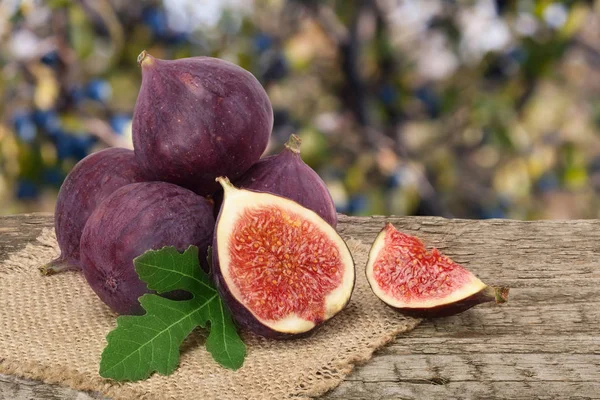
199,118
241,315
485,295
244,318
286,175
91,181
136,218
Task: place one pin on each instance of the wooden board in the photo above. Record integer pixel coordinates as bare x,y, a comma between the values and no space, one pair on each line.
544,343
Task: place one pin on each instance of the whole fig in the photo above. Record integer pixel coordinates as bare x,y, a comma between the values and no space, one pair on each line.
92,180
199,118
285,174
136,218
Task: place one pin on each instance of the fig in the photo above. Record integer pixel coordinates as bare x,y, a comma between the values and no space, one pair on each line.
280,268
421,283
136,218
199,118
92,180
286,175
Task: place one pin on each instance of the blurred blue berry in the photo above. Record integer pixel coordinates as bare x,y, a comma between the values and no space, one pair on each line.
392,182
119,122
99,90
156,20
24,126
53,176
175,38
275,67
81,145
492,211
73,146
517,54
387,94
262,42
50,59
76,94
501,6
358,204
594,164
47,120
26,189
400,177
343,208
64,147
548,182
430,100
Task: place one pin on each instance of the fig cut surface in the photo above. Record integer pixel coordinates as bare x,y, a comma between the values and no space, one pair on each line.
421,283
280,267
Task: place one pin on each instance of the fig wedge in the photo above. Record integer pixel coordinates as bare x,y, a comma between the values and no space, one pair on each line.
421,283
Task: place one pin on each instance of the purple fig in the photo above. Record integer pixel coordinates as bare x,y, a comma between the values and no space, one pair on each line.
285,174
198,118
92,180
134,219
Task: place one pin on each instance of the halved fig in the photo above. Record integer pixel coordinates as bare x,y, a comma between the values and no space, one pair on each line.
421,283
281,269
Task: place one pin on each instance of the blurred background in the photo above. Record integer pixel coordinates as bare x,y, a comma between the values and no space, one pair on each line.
472,109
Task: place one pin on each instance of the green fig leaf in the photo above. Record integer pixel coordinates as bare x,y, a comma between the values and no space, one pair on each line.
141,345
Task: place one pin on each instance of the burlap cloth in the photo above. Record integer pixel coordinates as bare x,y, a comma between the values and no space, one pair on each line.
53,329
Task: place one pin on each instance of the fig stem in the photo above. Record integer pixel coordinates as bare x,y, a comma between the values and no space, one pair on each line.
141,57
225,183
144,58
56,266
293,143
501,294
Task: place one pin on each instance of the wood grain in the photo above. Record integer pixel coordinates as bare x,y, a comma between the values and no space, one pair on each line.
17,230
544,343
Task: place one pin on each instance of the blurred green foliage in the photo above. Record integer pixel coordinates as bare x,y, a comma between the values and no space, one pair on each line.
475,109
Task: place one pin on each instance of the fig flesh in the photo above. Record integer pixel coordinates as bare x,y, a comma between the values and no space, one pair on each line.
199,118
91,181
421,283
136,218
286,175
281,269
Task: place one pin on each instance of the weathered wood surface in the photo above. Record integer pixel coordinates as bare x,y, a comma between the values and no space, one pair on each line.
544,343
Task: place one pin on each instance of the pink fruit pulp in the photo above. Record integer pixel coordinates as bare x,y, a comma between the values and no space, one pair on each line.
406,271
278,274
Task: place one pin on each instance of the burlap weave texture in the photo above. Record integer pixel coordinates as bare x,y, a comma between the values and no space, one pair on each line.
53,329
